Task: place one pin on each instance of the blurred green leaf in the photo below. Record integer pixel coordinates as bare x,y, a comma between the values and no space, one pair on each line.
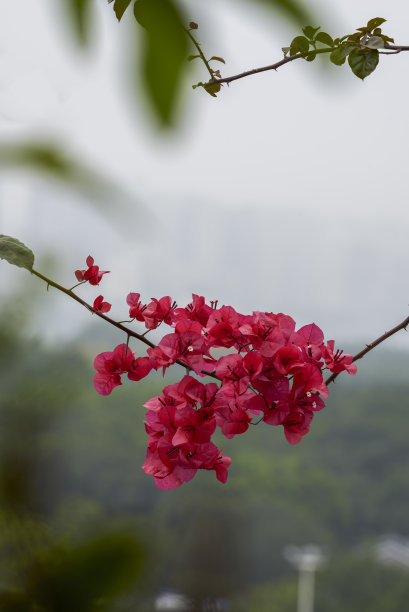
293,9
39,156
15,252
120,7
79,11
363,61
52,161
165,53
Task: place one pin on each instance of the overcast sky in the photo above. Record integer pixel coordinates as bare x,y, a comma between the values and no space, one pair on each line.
289,192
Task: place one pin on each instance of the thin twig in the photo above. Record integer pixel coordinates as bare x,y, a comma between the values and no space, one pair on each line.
286,60
129,332
235,77
373,344
199,50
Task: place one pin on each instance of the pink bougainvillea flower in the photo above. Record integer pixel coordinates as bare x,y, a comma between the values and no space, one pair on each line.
197,310
235,378
311,334
338,361
93,274
222,327
310,379
157,311
189,346
100,305
140,367
136,309
231,413
220,465
288,359
273,386
297,425
275,413
110,365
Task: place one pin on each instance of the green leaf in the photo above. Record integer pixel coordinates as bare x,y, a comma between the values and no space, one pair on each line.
164,54
325,38
364,30
285,50
355,37
217,58
310,57
363,61
212,88
387,39
299,45
120,7
310,32
15,252
375,22
375,42
339,55
79,12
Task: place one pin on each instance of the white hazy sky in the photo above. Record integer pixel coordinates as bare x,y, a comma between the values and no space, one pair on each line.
289,192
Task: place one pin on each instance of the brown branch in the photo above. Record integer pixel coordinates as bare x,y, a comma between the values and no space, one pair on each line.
397,47
286,60
126,330
373,344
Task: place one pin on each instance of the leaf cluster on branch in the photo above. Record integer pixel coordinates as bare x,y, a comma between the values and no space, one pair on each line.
166,51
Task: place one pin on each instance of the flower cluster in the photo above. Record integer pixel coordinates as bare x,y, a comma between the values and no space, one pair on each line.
273,373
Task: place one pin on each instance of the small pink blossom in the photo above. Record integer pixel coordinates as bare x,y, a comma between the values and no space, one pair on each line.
93,274
100,305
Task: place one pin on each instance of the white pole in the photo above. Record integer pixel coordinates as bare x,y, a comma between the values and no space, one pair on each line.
306,560
306,589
